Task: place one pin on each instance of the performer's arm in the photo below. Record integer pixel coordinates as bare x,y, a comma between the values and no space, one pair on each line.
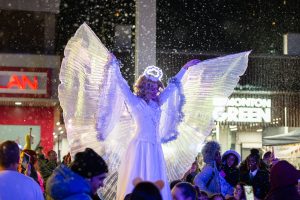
130,98
175,81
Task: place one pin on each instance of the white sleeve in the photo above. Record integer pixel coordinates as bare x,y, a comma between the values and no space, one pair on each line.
172,86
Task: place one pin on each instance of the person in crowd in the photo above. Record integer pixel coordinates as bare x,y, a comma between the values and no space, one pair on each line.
230,171
201,194
191,173
239,191
67,159
217,197
80,180
284,179
208,179
39,151
146,190
184,191
33,169
15,185
48,166
267,160
173,183
256,177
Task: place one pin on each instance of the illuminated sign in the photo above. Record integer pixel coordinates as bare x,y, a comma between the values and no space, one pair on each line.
16,82
243,110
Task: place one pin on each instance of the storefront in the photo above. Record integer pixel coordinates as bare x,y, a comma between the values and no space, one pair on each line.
28,98
263,121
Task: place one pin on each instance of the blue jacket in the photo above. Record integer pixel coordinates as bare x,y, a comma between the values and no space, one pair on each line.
65,184
208,179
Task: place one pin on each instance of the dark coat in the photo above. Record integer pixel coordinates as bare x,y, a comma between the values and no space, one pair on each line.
232,175
290,192
260,183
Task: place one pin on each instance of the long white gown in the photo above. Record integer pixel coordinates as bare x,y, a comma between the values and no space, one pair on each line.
137,139
144,157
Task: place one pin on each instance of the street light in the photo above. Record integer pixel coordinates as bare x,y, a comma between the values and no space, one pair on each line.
57,135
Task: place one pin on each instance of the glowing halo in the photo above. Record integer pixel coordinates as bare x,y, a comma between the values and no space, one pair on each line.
153,73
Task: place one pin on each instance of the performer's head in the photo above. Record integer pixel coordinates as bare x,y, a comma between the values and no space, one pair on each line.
149,85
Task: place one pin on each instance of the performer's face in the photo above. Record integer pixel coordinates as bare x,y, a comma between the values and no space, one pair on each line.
151,90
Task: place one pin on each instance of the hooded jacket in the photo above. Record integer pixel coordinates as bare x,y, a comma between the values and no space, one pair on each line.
208,179
64,184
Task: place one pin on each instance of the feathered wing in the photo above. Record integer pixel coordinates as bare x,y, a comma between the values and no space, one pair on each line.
201,85
93,102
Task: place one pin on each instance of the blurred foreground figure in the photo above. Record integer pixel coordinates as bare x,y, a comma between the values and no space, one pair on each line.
145,190
79,181
151,133
284,179
14,185
184,191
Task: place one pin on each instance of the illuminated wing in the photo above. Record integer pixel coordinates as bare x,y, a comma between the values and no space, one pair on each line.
92,95
200,86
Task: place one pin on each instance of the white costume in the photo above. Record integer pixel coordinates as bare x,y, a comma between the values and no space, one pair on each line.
138,139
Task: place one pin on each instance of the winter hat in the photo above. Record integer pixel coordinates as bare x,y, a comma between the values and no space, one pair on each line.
283,174
236,154
88,164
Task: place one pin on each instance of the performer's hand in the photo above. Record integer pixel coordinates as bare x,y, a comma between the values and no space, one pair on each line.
191,63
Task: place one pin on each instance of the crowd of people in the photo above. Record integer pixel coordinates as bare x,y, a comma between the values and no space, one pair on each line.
222,177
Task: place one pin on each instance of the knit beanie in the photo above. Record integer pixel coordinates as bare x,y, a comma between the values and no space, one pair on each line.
283,174
88,164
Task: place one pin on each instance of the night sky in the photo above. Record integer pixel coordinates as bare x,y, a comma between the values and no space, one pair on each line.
203,26
227,25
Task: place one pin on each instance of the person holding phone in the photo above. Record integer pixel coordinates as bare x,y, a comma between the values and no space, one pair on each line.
29,166
13,184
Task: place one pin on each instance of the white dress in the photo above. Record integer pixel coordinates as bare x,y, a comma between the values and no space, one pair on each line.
137,139
144,157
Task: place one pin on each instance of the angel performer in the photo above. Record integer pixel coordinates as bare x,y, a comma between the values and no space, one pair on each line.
153,133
